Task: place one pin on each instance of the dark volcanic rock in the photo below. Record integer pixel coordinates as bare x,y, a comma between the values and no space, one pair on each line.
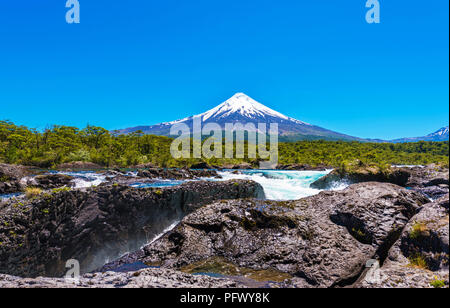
79,165
432,180
303,167
323,241
364,174
98,224
10,176
10,187
176,174
49,181
430,175
202,165
420,258
433,192
243,166
147,278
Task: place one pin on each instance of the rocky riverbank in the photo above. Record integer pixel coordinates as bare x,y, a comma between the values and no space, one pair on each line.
147,278
420,257
38,236
16,179
10,176
321,241
229,231
361,173
432,180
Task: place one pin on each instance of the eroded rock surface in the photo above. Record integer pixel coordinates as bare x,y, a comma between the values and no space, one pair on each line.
147,278
362,174
10,176
420,258
49,181
176,174
323,241
432,180
79,165
303,167
38,236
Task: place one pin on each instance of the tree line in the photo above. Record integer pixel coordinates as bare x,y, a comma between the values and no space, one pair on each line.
62,144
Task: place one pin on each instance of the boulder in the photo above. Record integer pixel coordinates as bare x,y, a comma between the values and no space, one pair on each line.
431,180
49,181
176,174
303,167
420,257
322,241
362,174
38,236
79,165
144,166
243,166
201,165
10,176
14,172
10,187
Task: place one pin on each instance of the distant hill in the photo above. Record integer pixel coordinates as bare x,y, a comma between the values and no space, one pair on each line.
440,135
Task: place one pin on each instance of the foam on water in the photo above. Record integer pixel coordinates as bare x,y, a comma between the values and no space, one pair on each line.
168,229
278,184
84,179
281,185
408,166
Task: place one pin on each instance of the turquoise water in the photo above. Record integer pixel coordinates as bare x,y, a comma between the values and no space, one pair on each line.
9,196
281,185
157,184
277,184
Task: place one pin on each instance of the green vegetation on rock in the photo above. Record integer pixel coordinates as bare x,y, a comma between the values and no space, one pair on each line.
218,265
418,261
437,283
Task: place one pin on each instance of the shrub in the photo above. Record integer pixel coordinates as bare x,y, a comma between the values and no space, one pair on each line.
419,230
58,190
32,192
418,261
80,155
436,283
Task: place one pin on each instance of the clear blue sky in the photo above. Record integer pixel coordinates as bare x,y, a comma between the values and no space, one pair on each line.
141,62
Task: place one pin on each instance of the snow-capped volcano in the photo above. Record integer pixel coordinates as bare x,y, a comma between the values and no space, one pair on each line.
443,132
245,106
440,135
241,108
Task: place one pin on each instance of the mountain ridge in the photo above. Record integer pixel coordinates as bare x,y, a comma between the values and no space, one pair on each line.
241,108
440,135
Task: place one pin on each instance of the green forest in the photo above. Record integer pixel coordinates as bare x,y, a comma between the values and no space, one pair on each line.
62,144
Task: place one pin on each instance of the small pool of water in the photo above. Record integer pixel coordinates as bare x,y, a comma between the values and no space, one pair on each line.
158,184
9,196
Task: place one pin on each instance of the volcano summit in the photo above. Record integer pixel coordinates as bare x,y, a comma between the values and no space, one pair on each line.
241,108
